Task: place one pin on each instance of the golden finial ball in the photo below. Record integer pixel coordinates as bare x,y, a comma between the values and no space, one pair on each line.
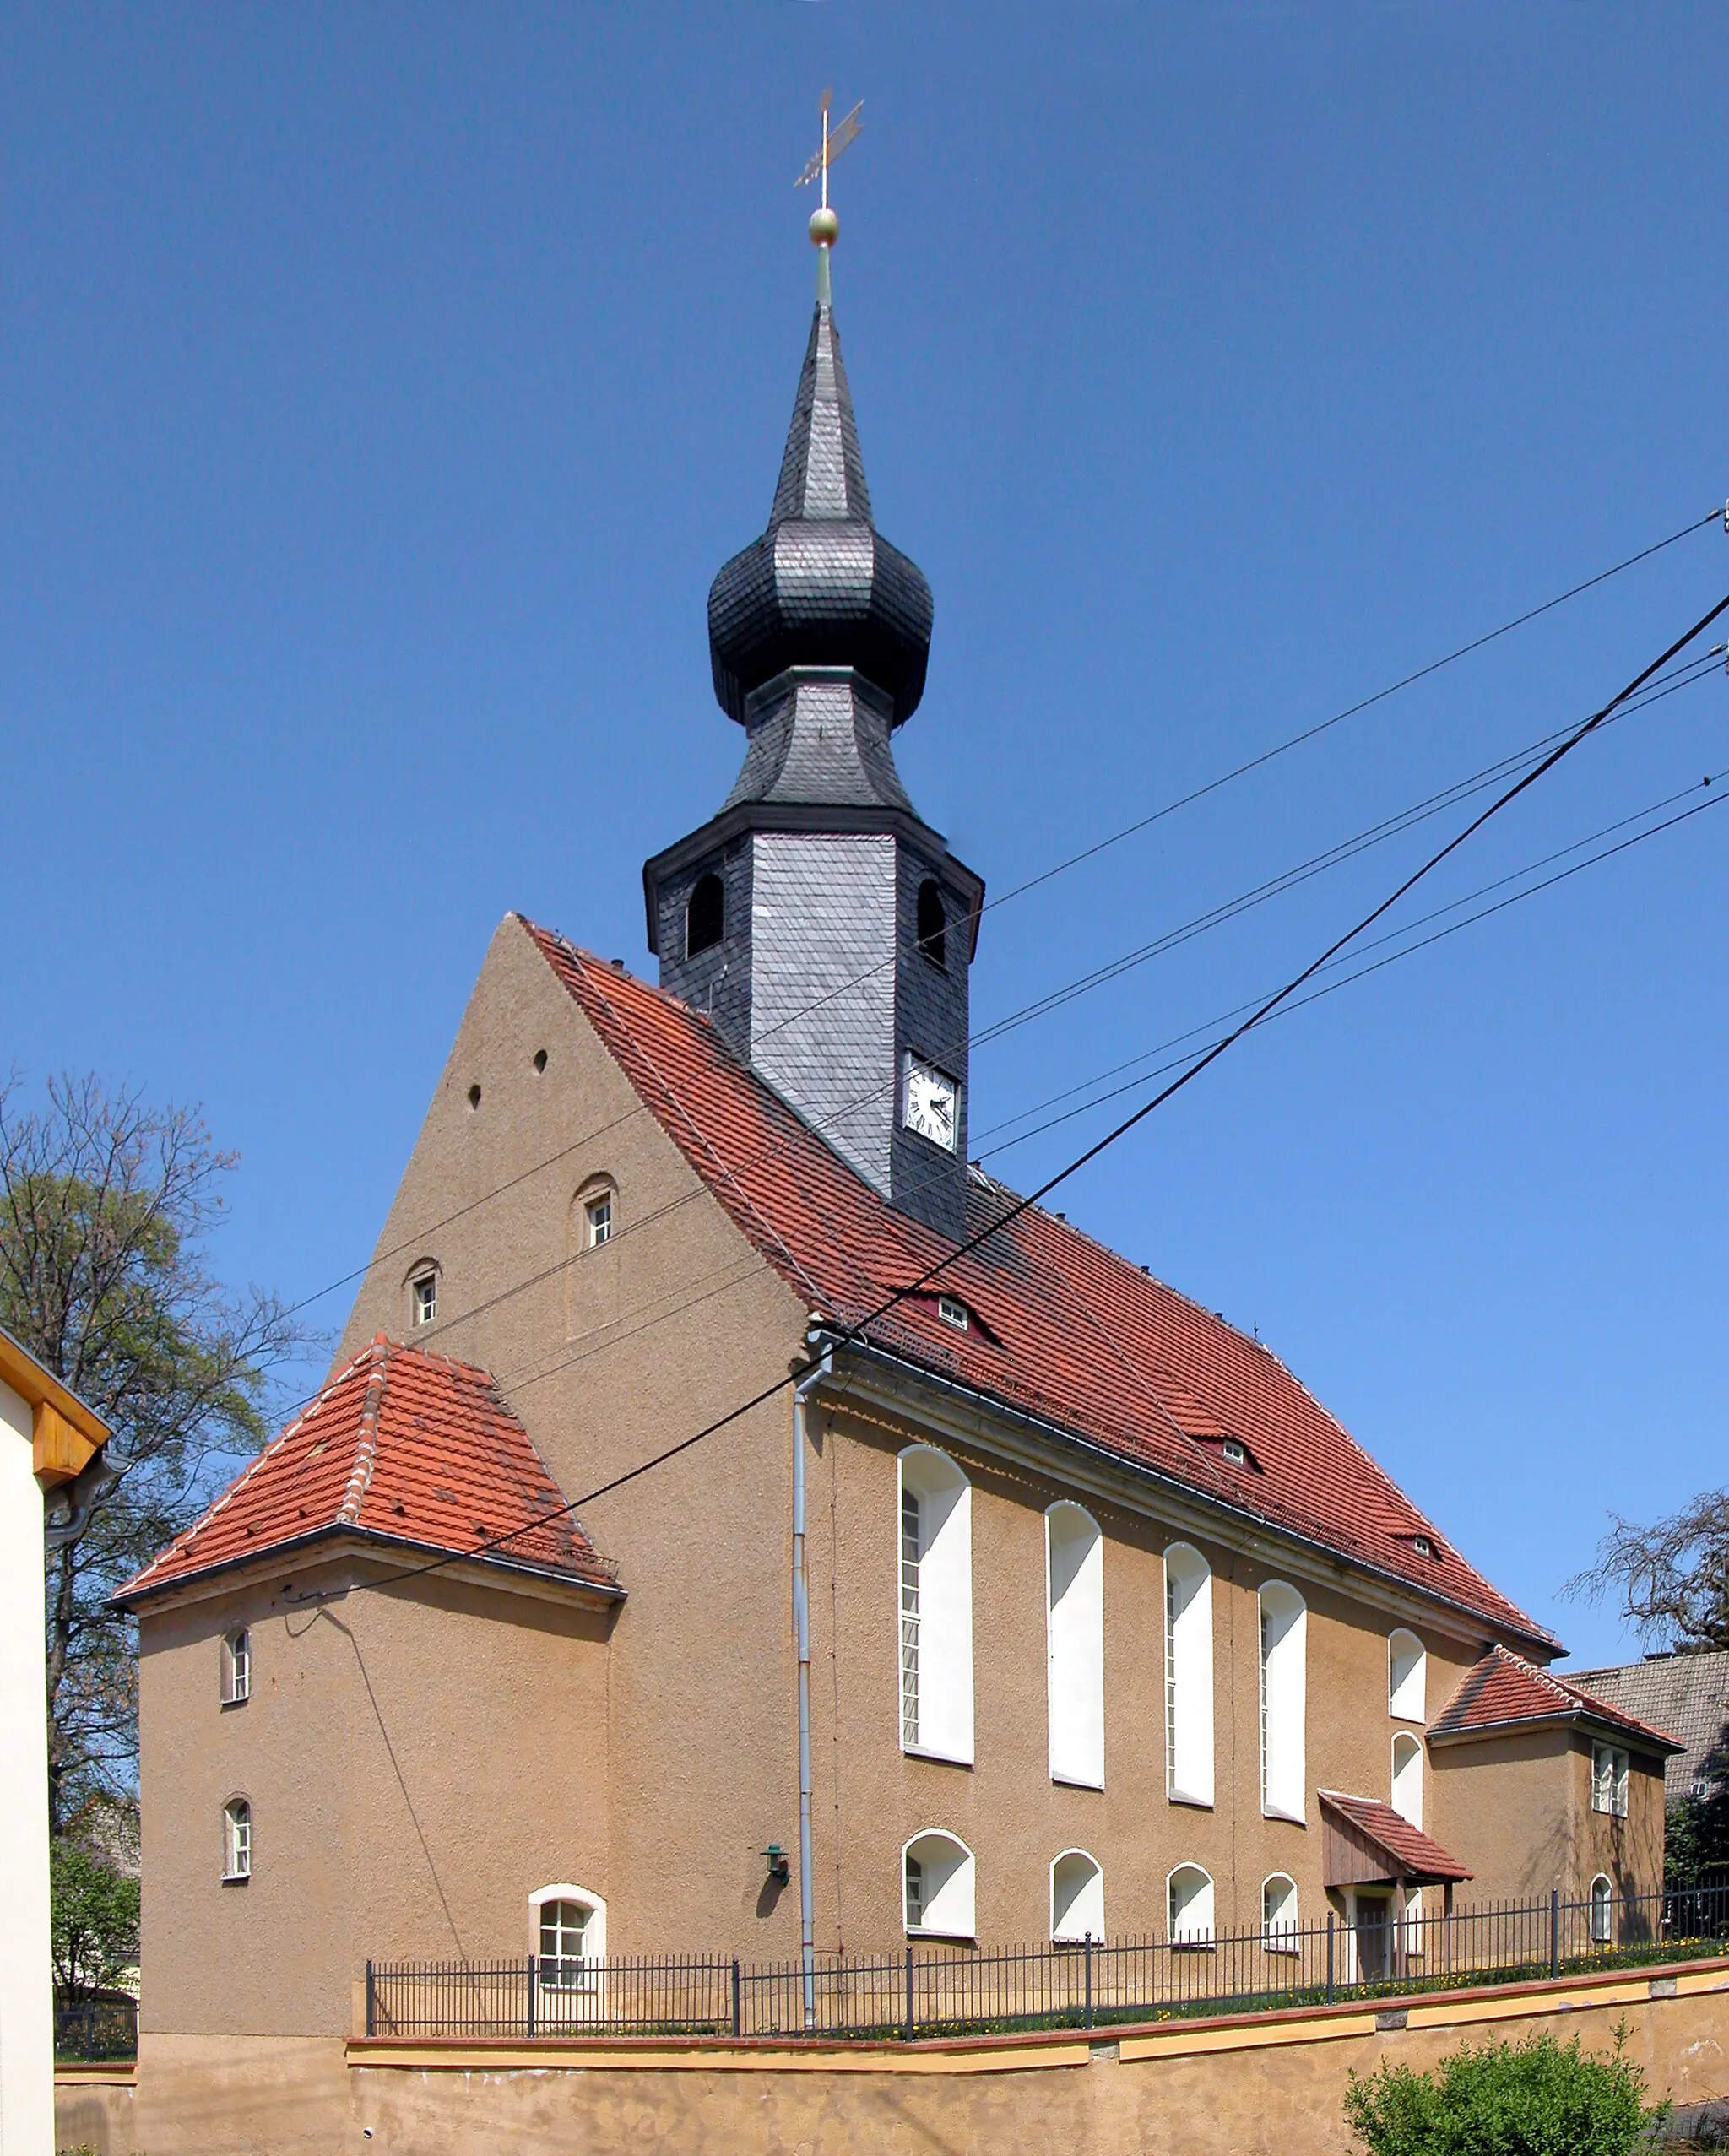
825,227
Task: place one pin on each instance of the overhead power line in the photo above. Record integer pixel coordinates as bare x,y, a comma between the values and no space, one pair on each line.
858,1329
1046,875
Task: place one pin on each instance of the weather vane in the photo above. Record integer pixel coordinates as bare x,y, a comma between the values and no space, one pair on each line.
825,225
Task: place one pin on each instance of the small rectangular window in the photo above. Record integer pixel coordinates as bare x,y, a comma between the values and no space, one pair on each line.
425,1294
237,1840
1609,1769
953,1313
1234,1452
599,1211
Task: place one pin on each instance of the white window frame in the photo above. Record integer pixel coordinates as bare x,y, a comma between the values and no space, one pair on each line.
1603,1910
1081,1916
1284,1701
1280,1924
948,1906
1189,1677
593,1949
1407,1677
1406,1777
1610,1769
933,1606
236,1841
953,1311
423,1297
1192,1925
597,1227
1074,1638
237,1666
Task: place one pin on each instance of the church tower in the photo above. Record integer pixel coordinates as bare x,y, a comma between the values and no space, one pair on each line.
825,928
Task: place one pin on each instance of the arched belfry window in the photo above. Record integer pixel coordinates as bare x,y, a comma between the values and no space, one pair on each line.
704,918
933,923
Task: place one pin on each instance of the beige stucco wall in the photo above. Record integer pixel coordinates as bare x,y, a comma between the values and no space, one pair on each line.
417,1762
1272,2089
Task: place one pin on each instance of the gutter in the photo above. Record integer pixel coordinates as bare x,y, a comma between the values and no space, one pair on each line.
991,1405
801,1628
1635,1739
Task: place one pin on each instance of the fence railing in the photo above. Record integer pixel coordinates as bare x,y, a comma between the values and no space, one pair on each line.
940,1990
95,2030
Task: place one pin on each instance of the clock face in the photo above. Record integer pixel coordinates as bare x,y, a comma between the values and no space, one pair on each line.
930,1104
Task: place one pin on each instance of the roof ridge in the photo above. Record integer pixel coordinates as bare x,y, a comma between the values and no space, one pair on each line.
360,1479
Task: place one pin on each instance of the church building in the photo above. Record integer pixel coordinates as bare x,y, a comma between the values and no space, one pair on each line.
986,1589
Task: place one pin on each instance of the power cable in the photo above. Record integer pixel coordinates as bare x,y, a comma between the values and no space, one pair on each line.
1046,875
858,1329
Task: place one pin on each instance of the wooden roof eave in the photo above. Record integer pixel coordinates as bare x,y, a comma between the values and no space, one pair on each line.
65,1434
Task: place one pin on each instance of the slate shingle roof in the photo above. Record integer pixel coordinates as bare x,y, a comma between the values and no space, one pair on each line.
1504,1691
1412,1856
402,1448
1072,1333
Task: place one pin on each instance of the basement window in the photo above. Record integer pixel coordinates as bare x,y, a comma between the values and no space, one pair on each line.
953,1312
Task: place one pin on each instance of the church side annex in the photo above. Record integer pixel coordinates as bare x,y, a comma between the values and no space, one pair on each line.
1053,1606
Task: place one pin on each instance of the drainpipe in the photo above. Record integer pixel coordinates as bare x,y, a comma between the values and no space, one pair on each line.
802,1626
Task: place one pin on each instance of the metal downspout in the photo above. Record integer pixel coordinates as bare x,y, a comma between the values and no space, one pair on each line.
802,1626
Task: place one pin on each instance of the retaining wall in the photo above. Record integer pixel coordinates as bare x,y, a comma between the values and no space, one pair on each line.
1266,2085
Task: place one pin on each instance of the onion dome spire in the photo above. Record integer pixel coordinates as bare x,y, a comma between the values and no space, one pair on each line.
821,587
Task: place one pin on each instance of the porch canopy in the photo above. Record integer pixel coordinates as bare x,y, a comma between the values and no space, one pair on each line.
1365,1843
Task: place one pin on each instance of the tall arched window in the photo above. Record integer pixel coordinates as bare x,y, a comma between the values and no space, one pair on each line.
1284,1649
933,923
1189,1892
1407,1778
236,1840
1603,1911
705,917
1407,1677
936,1606
937,1884
1076,1897
1188,1676
1074,1572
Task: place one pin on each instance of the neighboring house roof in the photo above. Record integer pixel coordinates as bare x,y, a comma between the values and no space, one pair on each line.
404,1449
1503,1692
1071,1333
1405,1851
1687,1693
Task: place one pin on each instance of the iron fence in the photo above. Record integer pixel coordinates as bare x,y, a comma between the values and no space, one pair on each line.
94,2030
934,1990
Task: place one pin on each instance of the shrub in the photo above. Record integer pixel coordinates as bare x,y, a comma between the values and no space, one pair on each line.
1537,2098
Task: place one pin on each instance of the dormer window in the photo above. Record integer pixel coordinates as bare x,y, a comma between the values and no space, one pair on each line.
423,1297
1422,1545
705,917
953,1312
1235,1451
933,923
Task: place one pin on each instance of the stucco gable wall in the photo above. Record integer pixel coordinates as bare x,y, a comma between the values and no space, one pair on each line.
609,1357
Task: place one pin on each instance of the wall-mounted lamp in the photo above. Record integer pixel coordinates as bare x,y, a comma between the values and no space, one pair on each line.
779,1869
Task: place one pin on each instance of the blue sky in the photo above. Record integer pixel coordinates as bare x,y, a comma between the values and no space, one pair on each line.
379,389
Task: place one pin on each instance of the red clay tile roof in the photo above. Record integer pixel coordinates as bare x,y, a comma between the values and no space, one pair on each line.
1071,1332
405,1448
1411,1855
1504,1691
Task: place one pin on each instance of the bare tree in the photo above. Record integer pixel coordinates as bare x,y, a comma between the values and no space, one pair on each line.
1671,1579
105,1208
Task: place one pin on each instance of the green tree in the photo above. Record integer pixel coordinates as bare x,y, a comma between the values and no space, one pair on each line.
1537,2098
95,1932
105,1208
